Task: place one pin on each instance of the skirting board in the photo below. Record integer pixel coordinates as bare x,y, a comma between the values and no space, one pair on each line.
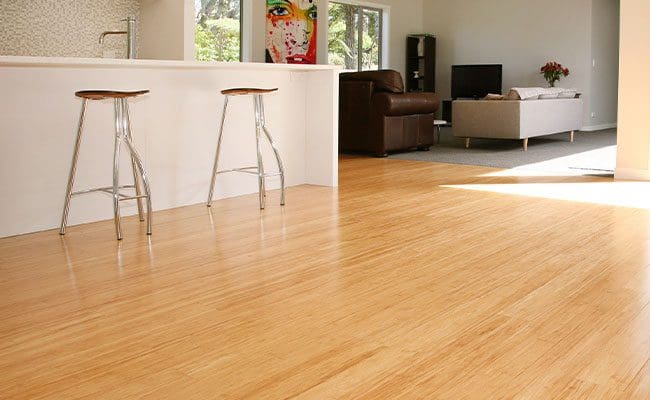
593,128
632,174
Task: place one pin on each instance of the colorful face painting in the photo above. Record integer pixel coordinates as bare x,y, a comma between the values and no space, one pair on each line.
291,27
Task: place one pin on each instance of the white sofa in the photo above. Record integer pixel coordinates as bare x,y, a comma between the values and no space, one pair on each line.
516,119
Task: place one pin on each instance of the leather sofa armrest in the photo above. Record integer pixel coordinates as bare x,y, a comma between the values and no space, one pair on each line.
398,104
354,104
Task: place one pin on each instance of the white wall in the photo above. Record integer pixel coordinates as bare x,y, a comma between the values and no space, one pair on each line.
403,20
633,158
258,15
523,36
166,29
604,50
63,28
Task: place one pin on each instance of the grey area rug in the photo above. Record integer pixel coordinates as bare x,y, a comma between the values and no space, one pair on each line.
590,153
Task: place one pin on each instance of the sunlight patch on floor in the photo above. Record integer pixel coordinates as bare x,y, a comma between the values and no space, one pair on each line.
523,173
598,161
622,194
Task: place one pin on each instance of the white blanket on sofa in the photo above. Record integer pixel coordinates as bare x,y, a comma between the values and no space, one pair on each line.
530,93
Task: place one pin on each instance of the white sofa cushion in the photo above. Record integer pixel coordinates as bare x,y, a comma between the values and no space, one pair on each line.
568,94
527,93
534,93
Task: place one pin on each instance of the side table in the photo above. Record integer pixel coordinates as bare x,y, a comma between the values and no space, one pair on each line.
436,132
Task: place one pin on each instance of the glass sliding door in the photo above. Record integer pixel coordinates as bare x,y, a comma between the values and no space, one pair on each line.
355,35
370,39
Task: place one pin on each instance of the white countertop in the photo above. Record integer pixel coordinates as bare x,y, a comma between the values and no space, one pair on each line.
22,61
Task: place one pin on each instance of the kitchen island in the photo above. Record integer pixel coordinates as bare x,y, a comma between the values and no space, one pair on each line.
174,128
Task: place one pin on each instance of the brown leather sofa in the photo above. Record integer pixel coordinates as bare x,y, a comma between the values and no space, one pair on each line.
377,117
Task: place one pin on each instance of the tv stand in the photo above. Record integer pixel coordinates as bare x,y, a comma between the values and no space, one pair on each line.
446,110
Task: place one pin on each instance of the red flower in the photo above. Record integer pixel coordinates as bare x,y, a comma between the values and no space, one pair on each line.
553,71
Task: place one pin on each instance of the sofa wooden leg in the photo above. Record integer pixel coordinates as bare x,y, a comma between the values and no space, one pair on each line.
572,136
467,143
526,144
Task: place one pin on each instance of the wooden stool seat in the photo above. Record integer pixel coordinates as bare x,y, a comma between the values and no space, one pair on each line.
246,91
108,94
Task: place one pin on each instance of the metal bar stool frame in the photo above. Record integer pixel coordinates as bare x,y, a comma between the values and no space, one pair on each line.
123,134
260,127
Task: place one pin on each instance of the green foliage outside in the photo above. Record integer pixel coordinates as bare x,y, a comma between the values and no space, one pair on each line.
217,30
218,41
344,35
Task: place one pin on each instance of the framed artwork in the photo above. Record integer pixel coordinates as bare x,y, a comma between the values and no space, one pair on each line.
291,31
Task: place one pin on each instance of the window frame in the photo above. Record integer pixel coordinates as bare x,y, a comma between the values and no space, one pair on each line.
359,9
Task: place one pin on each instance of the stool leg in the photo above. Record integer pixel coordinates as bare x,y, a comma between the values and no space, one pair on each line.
137,162
260,164
73,169
276,152
116,168
260,110
216,156
259,116
136,180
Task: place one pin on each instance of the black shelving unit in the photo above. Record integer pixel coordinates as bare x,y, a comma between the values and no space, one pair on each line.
421,57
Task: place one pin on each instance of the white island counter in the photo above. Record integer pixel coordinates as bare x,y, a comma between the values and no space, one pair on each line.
174,127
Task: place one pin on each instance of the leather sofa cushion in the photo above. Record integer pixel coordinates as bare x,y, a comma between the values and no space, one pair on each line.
396,104
385,80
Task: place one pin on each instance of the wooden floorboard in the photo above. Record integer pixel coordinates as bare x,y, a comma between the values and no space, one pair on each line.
411,280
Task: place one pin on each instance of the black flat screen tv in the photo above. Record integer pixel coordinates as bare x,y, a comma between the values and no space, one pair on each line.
475,81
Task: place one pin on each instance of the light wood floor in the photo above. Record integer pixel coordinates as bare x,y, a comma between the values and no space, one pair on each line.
403,283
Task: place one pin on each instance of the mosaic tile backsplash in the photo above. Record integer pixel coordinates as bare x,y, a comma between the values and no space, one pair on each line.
64,28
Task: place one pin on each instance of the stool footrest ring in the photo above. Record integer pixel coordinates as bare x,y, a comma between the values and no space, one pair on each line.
123,197
249,170
108,189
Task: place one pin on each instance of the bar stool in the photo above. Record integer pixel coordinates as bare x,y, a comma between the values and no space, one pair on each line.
260,126
122,134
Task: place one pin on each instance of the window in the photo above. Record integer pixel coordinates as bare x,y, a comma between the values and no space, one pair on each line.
218,30
355,36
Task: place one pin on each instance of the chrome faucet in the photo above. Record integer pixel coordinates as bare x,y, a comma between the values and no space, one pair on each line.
130,36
